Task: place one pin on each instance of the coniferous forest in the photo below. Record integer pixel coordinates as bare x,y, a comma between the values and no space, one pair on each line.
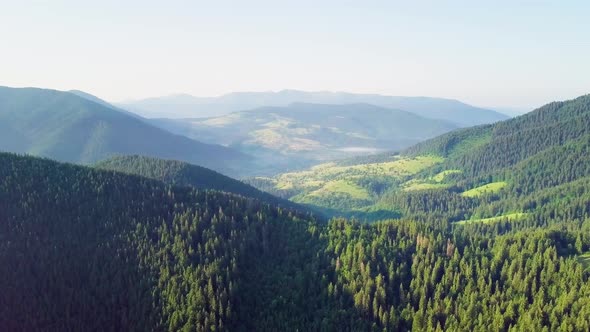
91,248
294,166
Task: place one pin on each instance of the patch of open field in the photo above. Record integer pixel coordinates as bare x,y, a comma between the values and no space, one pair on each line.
510,217
485,189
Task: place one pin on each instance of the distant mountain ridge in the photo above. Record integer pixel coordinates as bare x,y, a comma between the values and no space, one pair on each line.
187,106
93,98
67,127
102,102
304,133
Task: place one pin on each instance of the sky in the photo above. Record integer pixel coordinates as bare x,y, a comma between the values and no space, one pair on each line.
505,54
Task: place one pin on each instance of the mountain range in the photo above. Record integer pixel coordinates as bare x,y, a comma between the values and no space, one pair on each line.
67,127
300,134
187,106
76,126
483,228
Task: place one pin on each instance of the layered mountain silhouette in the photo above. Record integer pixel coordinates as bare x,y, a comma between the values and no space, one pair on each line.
67,127
303,133
187,106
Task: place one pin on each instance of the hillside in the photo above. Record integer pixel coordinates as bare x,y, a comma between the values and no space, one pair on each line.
476,173
93,98
180,173
346,189
186,106
303,134
70,128
102,102
511,167
85,249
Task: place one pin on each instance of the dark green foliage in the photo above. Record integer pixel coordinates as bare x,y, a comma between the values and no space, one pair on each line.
538,154
89,249
86,249
82,249
404,275
506,143
180,173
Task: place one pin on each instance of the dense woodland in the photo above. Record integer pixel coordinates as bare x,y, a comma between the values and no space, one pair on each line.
179,173
542,157
85,249
93,249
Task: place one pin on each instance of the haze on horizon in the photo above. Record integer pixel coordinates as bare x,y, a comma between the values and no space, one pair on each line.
500,54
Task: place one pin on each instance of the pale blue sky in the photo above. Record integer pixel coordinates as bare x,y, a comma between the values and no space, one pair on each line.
488,53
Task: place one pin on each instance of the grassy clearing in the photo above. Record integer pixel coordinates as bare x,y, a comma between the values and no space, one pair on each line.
270,138
433,182
221,121
510,217
319,176
284,185
341,186
485,189
440,177
584,259
397,168
423,186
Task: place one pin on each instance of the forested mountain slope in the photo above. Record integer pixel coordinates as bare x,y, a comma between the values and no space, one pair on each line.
85,249
102,102
506,169
505,143
475,173
67,127
179,173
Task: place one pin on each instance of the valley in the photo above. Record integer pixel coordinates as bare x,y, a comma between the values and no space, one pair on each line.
482,171
301,134
266,166
391,241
